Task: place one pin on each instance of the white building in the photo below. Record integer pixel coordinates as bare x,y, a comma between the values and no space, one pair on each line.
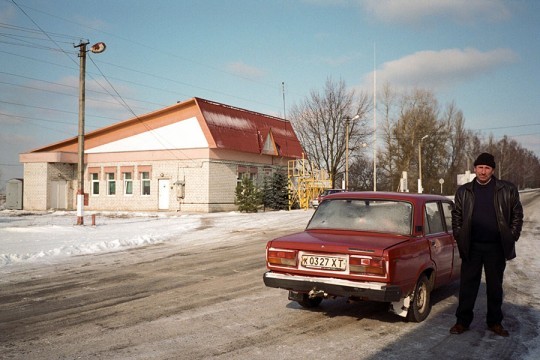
186,157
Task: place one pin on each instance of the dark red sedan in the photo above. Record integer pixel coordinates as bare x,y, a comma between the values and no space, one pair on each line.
377,246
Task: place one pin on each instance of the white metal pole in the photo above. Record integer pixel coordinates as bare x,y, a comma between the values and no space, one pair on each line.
347,120
420,189
374,121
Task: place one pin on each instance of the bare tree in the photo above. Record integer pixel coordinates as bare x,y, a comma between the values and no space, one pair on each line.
411,121
320,123
414,126
456,145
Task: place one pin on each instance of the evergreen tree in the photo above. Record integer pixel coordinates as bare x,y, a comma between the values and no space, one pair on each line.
275,192
280,198
248,196
267,192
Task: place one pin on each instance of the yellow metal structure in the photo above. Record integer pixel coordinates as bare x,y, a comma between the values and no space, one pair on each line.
305,182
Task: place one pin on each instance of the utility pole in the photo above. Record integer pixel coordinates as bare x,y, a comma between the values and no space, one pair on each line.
96,48
80,138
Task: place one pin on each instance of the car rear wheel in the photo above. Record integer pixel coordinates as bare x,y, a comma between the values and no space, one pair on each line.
421,302
308,302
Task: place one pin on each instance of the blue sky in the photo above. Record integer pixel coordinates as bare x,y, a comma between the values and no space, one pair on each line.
481,54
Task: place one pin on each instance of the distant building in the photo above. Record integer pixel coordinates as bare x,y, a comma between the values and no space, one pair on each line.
185,157
14,194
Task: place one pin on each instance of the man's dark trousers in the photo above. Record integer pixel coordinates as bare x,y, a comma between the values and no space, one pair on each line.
490,256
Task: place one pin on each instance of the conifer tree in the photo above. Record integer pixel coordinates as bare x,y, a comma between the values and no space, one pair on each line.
248,196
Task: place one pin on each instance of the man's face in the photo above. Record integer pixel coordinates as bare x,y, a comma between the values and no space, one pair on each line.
483,173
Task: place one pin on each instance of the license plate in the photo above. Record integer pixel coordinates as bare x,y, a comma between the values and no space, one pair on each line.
324,262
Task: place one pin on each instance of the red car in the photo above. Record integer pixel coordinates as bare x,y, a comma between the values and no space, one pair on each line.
377,246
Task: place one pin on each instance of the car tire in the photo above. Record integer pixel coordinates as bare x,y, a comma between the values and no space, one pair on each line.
421,301
308,302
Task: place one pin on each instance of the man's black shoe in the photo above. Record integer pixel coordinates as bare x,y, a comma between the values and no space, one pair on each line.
499,330
458,329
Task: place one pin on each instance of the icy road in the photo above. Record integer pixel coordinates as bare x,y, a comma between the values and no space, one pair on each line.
199,295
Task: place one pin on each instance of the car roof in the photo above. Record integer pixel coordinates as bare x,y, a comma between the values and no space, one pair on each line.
383,195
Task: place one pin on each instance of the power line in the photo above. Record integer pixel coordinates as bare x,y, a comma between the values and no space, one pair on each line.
43,31
276,86
36,32
71,94
51,109
507,127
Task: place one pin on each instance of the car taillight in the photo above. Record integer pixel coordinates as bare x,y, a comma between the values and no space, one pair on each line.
281,257
367,265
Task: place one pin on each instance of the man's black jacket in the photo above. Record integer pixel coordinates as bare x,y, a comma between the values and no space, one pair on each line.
509,216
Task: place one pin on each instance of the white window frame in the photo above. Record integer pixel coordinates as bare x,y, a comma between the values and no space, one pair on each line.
128,183
145,183
94,181
111,182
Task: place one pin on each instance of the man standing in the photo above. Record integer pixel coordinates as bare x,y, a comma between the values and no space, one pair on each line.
486,222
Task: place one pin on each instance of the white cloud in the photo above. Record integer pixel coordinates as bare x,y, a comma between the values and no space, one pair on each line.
414,11
440,69
338,60
92,23
7,13
420,11
241,69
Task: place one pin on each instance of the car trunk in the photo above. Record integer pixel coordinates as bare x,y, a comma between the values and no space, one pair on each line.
340,241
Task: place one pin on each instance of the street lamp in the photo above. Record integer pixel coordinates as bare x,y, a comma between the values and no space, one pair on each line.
96,48
420,189
347,121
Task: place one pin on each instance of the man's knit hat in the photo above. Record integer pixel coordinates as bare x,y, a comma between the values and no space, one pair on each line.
485,159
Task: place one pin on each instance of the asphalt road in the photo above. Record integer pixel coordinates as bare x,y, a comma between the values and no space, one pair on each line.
209,301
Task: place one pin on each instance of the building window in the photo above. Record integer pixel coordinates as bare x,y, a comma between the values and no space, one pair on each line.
95,183
128,184
240,176
246,172
111,184
145,183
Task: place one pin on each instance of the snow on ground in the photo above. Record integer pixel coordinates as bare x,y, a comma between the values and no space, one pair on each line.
27,237
30,237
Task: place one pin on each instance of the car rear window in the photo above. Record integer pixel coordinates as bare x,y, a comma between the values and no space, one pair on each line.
384,216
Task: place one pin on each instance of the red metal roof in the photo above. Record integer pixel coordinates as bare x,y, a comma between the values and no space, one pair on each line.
247,131
230,128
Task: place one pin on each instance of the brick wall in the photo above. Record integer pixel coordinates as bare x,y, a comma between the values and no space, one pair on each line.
35,186
192,185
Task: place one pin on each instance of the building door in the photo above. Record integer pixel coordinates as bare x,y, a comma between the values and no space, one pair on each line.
163,195
58,195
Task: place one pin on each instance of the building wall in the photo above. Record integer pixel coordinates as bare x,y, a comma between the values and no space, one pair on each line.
222,186
67,172
195,185
37,181
35,186
135,201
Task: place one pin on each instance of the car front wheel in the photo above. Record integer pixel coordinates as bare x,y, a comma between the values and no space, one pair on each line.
421,301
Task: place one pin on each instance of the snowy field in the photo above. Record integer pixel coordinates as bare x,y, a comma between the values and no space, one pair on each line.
47,237
29,237
28,240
